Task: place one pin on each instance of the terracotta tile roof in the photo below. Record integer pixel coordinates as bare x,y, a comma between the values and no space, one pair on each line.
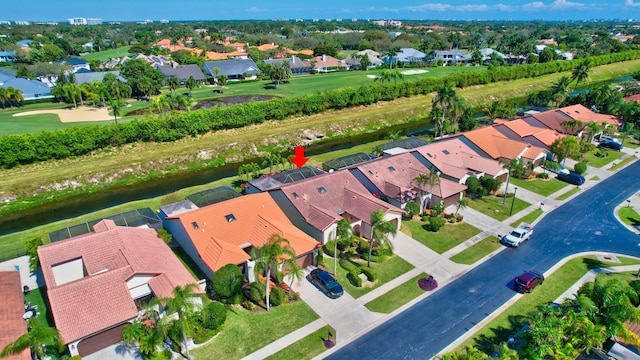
326,61
553,119
526,129
582,113
265,47
456,159
110,257
220,231
321,199
496,145
635,98
12,326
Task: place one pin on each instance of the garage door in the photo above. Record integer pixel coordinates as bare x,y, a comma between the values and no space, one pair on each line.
100,341
451,200
305,260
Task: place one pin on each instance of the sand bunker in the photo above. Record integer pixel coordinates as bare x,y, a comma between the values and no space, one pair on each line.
414,72
372,76
82,113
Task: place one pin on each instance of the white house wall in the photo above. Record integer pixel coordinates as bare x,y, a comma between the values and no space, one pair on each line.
296,218
175,228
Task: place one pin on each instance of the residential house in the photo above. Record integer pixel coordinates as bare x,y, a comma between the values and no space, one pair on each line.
354,59
279,179
586,115
529,130
456,161
225,232
78,64
8,56
451,57
25,44
491,143
393,177
12,309
406,55
240,69
98,282
31,89
91,76
5,75
327,63
183,72
153,60
297,66
315,205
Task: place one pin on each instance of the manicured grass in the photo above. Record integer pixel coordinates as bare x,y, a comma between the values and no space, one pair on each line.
38,297
629,216
631,143
595,178
539,186
529,218
598,162
446,238
476,252
188,263
108,54
386,271
507,322
492,206
245,332
397,297
306,348
568,194
622,163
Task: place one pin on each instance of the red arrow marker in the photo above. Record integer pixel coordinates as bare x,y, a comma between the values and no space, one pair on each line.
299,158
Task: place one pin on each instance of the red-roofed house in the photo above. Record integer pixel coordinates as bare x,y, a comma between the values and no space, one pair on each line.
12,325
96,281
224,233
326,63
530,131
393,177
315,205
586,115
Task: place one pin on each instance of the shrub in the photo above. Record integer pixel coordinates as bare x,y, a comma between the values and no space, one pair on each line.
347,265
214,315
412,208
201,336
248,305
375,259
256,291
354,279
277,296
473,184
425,218
371,275
294,296
580,168
227,284
363,247
428,283
542,175
320,257
328,248
165,236
451,220
436,223
459,218
437,209
343,244
601,153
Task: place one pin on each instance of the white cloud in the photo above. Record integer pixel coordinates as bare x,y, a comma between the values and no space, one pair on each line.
536,5
631,3
564,4
255,9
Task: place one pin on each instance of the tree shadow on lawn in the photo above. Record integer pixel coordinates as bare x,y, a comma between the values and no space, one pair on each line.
594,263
490,343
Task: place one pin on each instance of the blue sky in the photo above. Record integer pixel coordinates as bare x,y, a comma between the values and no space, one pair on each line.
137,10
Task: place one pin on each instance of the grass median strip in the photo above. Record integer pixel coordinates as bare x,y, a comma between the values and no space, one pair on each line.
622,163
446,238
568,194
477,251
494,207
629,215
305,348
397,297
529,218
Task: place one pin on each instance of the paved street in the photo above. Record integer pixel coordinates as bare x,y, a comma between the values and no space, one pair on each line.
587,223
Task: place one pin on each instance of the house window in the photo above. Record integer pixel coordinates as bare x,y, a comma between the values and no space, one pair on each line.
391,168
295,195
370,172
230,217
195,225
446,152
322,190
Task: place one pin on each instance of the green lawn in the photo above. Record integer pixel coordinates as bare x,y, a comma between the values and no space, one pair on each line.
386,271
529,218
594,178
188,263
397,297
597,162
507,322
622,163
631,143
629,215
306,348
245,332
568,194
477,251
492,206
108,54
38,297
447,238
14,125
539,186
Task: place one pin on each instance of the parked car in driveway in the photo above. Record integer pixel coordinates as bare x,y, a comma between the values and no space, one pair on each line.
611,145
325,282
528,281
572,178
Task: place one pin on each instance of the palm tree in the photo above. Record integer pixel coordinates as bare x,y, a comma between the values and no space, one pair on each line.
116,107
277,250
181,303
36,338
344,231
216,71
4,96
461,205
161,103
364,61
560,89
444,99
191,84
580,73
15,95
388,75
425,183
380,231
594,128
572,125
391,54
173,83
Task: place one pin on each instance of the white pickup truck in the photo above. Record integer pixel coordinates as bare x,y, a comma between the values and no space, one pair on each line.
518,235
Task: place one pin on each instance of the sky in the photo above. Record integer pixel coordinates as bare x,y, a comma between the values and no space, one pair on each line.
138,10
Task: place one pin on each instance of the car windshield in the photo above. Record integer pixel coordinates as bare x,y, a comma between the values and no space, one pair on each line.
330,282
515,233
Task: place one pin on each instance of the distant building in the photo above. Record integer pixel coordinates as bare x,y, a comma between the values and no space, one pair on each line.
395,23
22,22
164,21
94,21
5,22
77,21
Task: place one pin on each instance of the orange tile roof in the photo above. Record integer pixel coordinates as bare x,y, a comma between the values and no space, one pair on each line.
498,146
456,159
582,113
321,199
524,129
110,256
265,47
12,326
256,218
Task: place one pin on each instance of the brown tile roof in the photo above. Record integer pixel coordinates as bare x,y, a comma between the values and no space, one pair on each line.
222,230
582,113
498,146
321,199
456,159
110,256
524,129
12,326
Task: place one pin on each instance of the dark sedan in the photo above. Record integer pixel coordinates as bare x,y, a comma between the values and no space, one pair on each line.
325,282
611,145
572,178
528,281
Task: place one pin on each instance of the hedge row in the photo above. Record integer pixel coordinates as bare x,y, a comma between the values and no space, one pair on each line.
29,148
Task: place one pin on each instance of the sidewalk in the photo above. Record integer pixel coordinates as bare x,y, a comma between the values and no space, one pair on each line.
351,319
